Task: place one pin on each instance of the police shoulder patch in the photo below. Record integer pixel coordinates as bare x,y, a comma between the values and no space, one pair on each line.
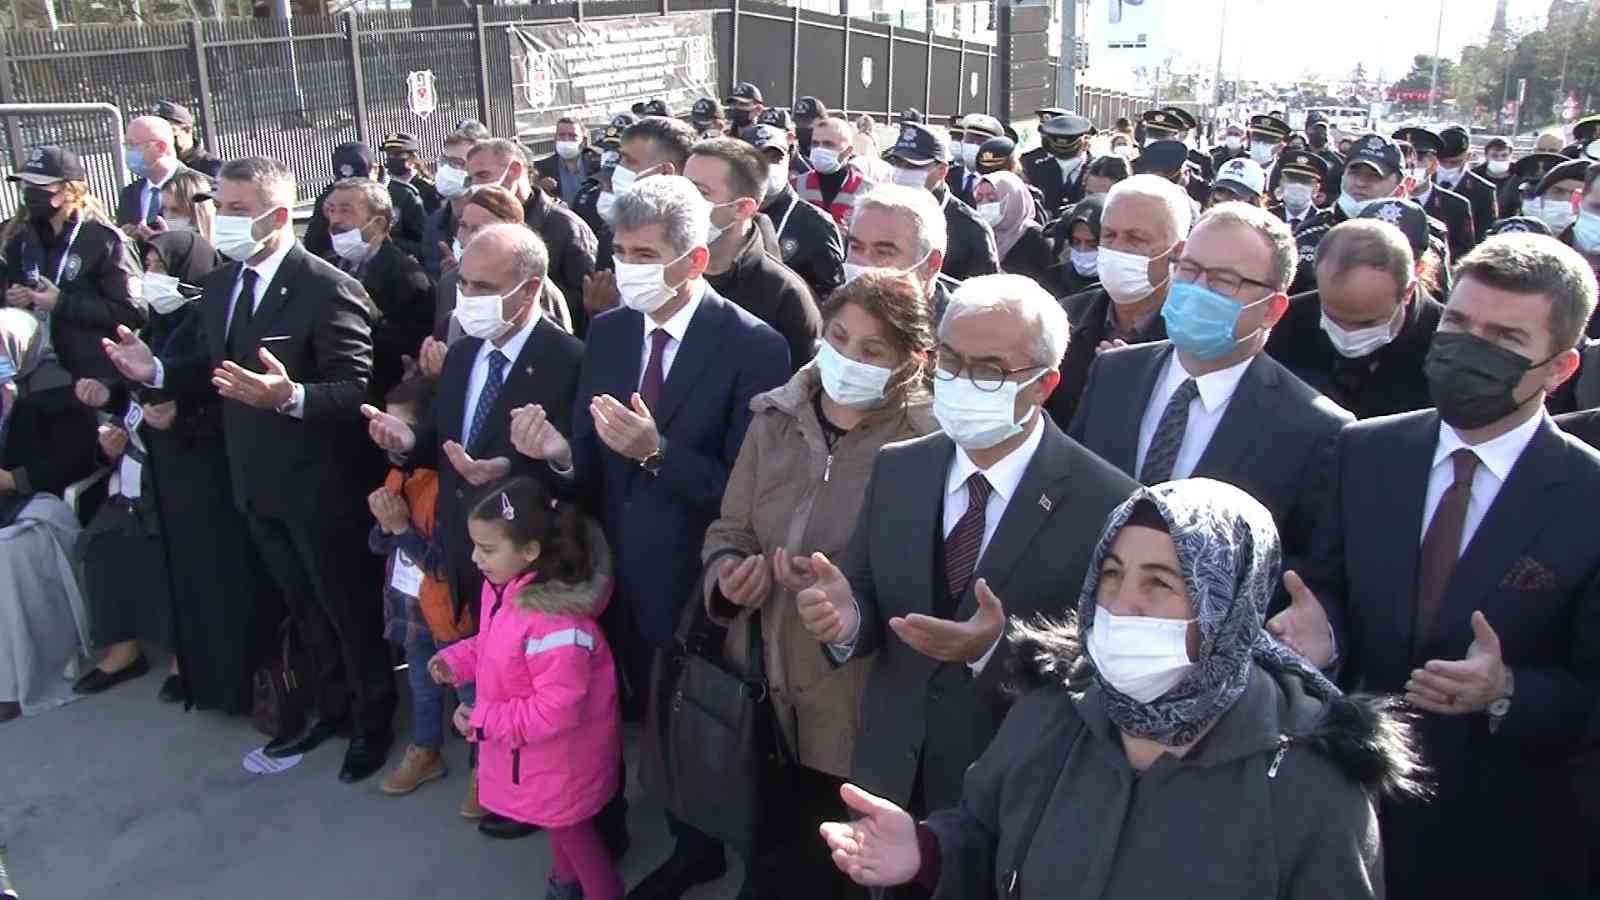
789,246
72,268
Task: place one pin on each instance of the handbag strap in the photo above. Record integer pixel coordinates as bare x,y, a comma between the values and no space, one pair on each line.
1014,876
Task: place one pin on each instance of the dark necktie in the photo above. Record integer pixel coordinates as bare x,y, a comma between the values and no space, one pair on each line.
153,205
1441,545
1168,439
243,312
966,539
486,398
654,374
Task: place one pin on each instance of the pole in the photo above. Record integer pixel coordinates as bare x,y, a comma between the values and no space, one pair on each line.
1433,80
1067,66
1222,38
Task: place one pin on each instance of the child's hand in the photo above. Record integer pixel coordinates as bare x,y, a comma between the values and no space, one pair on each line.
390,509
463,719
440,670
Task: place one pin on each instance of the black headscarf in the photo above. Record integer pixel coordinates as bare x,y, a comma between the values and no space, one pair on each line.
187,256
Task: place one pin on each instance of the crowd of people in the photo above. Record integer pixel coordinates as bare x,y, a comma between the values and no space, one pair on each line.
1061,502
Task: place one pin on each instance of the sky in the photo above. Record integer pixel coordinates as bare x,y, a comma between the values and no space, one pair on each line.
1279,40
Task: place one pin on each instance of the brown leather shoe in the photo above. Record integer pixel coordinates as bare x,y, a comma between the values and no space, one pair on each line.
469,804
419,766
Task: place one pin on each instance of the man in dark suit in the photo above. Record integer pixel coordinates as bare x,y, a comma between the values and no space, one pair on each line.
1420,148
662,406
1362,336
359,214
1206,403
153,159
1142,229
1059,173
1456,563
1452,174
997,508
288,345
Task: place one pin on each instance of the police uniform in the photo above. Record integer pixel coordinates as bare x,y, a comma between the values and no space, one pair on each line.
806,238
1221,154
1274,131
1040,152
1198,165
961,180
1480,194
1449,207
1303,163
587,202
1063,138
807,110
1523,183
1373,151
995,155
1161,125
970,249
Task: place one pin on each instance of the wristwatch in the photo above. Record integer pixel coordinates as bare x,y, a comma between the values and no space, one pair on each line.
652,463
1500,706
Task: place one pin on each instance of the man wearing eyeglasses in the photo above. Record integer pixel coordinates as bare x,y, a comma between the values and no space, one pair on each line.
990,517
1207,403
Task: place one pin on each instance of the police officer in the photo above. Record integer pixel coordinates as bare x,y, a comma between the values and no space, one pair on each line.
655,106
1445,205
921,158
1372,172
807,238
1361,338
1186,122
1317,142
1232,146
190,151
744,105
1585,130
1044,115
1000,155
410,191
807,110
707,118
1300,177
778,117
1523,185
1060,172
962,178
1160,125
1452,174
1496,170
1267,135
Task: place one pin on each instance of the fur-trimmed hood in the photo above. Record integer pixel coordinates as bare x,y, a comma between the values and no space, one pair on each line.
1367,737
564,598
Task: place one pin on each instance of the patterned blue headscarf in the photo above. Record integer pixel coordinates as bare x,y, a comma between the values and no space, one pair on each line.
1228,551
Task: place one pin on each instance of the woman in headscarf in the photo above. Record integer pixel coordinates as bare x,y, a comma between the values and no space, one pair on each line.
216,610
1186,754
1077,247
47,442
1005,203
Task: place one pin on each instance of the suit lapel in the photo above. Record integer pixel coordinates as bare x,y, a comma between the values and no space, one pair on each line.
1043,487
453,402
1122,445
1241,423
1511,523
1404,477
518,382
219,292
698,347
276,296
923,504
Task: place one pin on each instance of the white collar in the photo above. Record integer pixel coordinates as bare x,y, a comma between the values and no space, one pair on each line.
1216,388
513,347
1499,454
678,325
1003,476
267,269
1422,198
177,164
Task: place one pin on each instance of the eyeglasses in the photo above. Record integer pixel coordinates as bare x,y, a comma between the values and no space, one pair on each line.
985,376
1223,281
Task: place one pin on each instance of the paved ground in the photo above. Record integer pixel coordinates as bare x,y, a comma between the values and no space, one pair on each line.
121,796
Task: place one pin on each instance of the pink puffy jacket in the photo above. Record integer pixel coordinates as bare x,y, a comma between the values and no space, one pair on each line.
546,721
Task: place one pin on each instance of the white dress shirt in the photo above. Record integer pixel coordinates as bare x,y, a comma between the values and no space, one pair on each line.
676,327
152,193
1496,459
479,374
1205,411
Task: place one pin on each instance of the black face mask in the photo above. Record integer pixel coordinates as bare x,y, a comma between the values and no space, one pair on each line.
1472,381
37,201
398,168
802,137
741,118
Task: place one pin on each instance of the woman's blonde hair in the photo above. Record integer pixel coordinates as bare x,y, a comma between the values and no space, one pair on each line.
78,198
183,187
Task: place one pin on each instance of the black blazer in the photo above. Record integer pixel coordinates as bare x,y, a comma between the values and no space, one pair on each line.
50,441
1583,425
1455,212
1086,312
809,242
318,322
546,373
404,297
1274,441
917,708
1484,200
1533,569
1030,256
970,248
1044,173
130,200
572,247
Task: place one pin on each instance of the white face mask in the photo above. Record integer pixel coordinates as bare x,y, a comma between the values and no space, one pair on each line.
1449,175
457,248
451,181
718,231
568,149
1420,175
1262,151
622,179
605,206
1586,231
991,212
1085,262
351,246
1498,167
1233,142
1142,657
1126,276
824,160
777,178
179,223
1350,206
969,156
1297,197
1354,343
643,286
161,292
235,238
851,270
484,317
851,384
914,178
1557,214
978,420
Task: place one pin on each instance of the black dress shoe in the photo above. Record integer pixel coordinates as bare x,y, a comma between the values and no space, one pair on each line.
9,709
366,755
97,681
678,874
498,826
172,690
304,741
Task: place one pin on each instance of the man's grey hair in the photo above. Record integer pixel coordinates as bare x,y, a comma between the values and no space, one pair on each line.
471,131
375,195
1366,244
1180,214
671,201
273,180
1273,231
1537,264
916,205
502,148
529,260
1042,318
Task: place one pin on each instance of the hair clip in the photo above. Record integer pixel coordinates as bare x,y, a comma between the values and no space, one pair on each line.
506,511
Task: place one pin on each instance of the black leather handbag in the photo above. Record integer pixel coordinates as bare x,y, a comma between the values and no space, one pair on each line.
281,690
719,754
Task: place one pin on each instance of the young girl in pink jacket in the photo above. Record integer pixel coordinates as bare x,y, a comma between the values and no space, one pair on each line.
546,718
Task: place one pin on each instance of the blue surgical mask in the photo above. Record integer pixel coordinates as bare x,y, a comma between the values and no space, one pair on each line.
1586,231
1200,321
134,157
